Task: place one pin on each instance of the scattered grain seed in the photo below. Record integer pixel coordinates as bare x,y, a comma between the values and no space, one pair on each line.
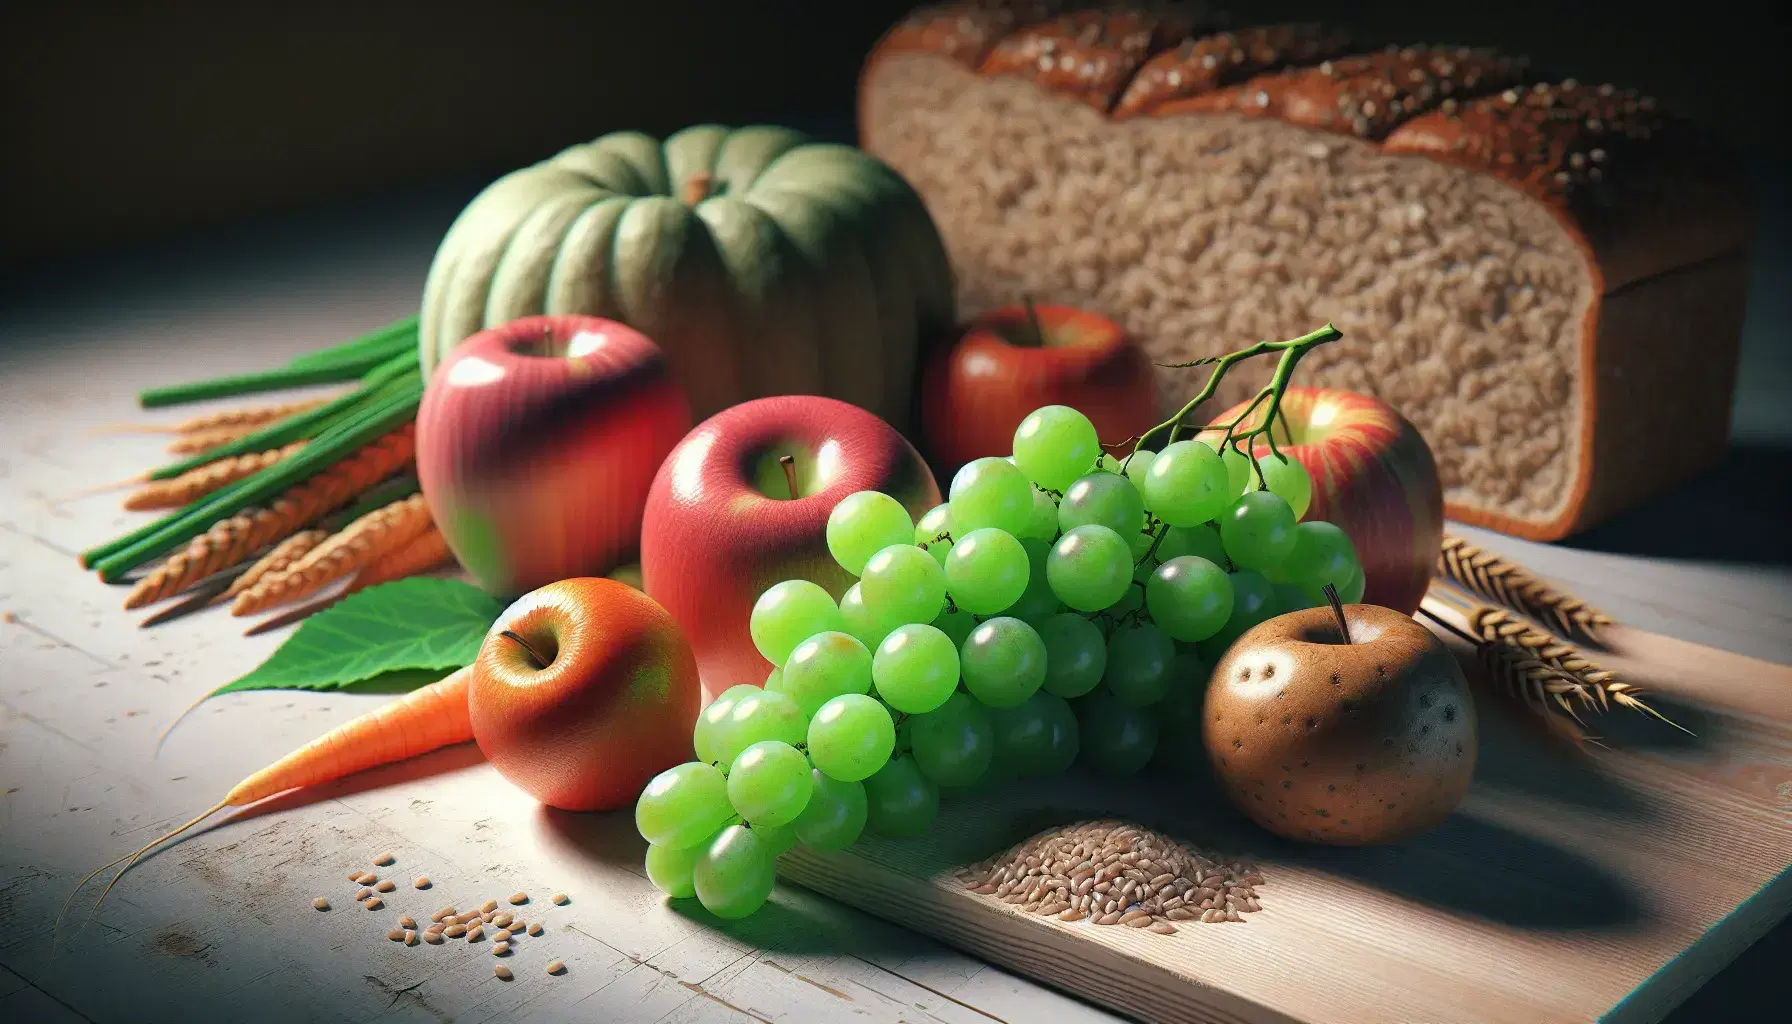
1211,916
433,938
362,894
500,948
535,928
503,918
396,935
407,921
486,918
367,878
455,931
556,967
442,913
475,933
422,882
517,899
386,885
560,899
1141,921
320,903
434,929
502,972
384,859
1179,914
488,906
354,876
516,927
1108,919
1163,927
375,903
501,934
410,936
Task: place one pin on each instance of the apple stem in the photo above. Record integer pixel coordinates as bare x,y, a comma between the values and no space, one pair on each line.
534,655
1331,596
1035,333
789,464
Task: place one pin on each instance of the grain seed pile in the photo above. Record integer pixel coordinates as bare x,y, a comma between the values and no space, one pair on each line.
1116,872
507,926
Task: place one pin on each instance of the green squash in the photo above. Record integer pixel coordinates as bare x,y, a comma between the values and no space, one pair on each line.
763,263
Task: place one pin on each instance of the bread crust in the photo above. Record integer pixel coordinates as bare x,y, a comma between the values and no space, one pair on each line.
1640,194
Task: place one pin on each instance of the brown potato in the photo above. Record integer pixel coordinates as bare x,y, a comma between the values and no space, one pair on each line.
1349,744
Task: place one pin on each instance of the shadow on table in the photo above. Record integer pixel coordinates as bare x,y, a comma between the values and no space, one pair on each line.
1734,513
608,837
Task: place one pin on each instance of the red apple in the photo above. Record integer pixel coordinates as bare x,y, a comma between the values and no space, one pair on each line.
1011,361
582,692
536,444
1375,477
723,523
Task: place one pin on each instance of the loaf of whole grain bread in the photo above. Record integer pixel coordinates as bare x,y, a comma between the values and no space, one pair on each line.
1546,277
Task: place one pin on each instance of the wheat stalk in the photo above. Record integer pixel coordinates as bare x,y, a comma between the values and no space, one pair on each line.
1497,579
378,533
203,480
1496,626
235,539
281,558
253,416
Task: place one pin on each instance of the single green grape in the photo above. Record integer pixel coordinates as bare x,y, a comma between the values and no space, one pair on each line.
1189,597
1136,465
756,717
735,875
710,723
1089,568
1253,601
1238,471
1102,499
1043,524
864,523
1322,554
915,669
683,805
1139,660
1290,598
669,869
899,800
768,784
851,737
1287,479
862,624
990,492
903,584
1076,654
1115,739
1054,445
1037,601
1186,484
933,532
835,815
955,624
952,744
1258,530
1350,591
823,667
1202,541
1003,662
1035,737
986,571
789,613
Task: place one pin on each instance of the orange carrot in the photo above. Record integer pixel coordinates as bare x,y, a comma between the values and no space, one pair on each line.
423,720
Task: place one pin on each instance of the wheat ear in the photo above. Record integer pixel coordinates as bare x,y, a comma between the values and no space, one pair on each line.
253,416
241,535
1497,579
279,559
430,551
201,441
367,539
1601,686
198,482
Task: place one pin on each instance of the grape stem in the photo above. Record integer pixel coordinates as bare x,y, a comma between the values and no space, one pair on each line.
1291,352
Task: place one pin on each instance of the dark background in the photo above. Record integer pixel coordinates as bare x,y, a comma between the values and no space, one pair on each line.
135,135
129,122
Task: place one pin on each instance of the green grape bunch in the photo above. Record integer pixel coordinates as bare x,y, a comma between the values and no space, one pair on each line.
1060,607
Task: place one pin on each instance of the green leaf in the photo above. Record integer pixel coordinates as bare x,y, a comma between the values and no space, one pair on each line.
408,626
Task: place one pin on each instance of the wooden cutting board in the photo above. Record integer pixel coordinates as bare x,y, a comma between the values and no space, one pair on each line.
1602,885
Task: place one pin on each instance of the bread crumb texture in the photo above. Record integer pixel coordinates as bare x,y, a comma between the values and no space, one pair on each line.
1462,299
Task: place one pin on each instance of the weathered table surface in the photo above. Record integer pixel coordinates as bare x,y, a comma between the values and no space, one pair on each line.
221,926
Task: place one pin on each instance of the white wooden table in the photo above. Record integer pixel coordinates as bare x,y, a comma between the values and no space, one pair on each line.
221,927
